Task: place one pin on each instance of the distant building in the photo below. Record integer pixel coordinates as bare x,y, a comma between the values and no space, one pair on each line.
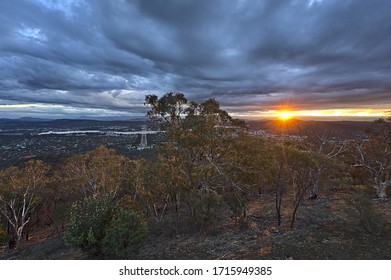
144,140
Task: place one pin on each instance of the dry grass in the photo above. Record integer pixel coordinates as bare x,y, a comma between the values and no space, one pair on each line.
325,229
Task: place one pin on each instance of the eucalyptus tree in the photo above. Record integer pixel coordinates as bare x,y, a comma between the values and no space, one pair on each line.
199,137
303,172
19,189
98,171
294,174
374,155
323,143
166,112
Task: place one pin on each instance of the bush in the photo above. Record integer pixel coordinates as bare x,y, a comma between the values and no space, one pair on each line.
89,220
362,212
111,228
127,232
3,237
204,206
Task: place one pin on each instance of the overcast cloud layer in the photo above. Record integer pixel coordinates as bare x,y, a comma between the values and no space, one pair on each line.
100,58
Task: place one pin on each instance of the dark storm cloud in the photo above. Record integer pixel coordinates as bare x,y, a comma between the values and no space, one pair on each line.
109,54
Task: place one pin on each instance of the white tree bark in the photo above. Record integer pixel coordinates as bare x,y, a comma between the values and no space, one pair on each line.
379,170
381,186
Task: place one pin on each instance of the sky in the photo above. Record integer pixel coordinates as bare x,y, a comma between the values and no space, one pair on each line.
325,59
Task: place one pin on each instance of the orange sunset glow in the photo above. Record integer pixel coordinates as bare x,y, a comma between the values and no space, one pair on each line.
285,115
331,114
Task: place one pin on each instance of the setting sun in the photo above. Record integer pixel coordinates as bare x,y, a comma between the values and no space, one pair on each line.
285,115
362,114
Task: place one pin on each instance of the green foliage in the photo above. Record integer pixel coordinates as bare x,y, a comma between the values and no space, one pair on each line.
99,171
252,161
205,206
166,111
89,220
374,155
19,188
127,232
61,213
195,161
101,224
236,202
361,211
3,237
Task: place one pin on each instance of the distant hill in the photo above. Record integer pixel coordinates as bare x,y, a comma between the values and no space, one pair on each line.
28,119
33,123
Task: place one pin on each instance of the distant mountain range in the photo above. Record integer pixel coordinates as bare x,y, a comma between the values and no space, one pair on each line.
83,118
37,123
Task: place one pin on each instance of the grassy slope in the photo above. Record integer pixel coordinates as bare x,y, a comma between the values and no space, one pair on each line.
325,229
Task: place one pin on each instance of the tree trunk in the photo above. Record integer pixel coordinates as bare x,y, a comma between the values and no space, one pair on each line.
382,190
18,238
313,192
278,207
296,207
381,187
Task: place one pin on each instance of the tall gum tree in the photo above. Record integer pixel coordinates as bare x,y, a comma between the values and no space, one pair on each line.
324,143
374,155
199,137
18,193
201,133
98,171
293,174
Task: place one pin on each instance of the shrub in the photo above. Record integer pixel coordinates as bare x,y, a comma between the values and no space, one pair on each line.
362,211
89,220
111,228
204,206
127,232
3,237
